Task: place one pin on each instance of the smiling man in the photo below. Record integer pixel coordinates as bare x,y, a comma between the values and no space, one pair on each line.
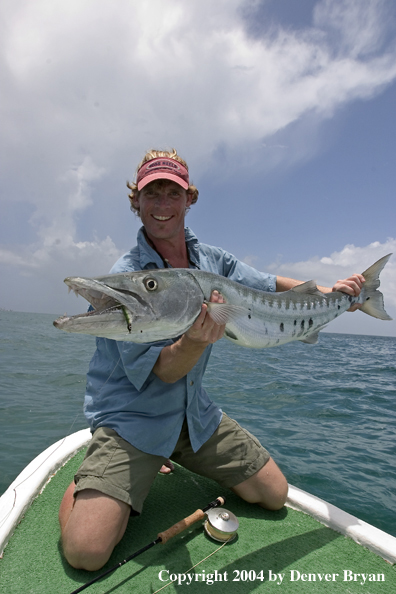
145,402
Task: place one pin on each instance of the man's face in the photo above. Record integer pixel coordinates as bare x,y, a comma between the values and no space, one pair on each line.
162,205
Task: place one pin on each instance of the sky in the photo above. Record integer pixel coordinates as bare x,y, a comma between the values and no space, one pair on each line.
284,111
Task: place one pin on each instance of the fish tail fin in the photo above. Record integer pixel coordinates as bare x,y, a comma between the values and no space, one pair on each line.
373,300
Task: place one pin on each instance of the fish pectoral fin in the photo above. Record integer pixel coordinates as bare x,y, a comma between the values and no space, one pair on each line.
309,288
312,339
222,313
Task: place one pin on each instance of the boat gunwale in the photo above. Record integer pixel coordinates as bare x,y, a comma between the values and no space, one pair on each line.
33,479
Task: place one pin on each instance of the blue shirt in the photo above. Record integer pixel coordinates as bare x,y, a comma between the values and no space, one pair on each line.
122,391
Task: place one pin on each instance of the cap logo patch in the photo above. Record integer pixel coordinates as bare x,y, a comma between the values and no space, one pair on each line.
161,164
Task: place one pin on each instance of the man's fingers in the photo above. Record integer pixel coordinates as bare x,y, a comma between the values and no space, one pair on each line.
351,286
200,319
216,297
205,329
355,307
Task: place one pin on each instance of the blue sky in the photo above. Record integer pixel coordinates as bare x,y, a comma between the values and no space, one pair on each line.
284,111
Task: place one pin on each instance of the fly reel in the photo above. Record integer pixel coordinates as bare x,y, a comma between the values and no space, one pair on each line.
221,524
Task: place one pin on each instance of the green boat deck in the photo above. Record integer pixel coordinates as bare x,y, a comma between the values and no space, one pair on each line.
284,551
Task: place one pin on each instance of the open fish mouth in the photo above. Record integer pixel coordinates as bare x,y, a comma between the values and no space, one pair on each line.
97,295
103,300
101,296
116,314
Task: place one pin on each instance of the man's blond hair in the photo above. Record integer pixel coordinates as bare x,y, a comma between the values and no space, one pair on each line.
153,154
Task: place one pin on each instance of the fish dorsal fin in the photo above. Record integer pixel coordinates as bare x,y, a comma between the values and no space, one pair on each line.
222,313
309,288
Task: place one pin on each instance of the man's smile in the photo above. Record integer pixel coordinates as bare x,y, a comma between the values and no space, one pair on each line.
161,218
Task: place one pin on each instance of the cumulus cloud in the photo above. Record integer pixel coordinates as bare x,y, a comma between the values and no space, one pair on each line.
57,248
32,275
86,77
87,87
342,20
63,256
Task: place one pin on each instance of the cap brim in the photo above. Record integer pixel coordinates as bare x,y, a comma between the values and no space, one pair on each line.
162,175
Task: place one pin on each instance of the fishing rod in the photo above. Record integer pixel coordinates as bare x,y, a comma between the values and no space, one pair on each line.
162,538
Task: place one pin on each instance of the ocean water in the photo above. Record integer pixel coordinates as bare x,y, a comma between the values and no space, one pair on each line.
325,412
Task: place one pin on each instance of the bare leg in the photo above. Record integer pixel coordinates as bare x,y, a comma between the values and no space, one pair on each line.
167,468
91,525
268,487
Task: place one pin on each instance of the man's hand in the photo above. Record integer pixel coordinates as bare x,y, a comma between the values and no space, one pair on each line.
352,286
205,330
177,359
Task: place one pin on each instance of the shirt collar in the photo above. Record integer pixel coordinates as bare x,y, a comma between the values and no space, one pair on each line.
192,246
149,258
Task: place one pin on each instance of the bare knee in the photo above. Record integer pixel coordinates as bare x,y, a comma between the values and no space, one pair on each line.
277,498
268,487
91,527
82,553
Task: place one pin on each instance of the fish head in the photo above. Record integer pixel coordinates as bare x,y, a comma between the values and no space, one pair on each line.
142,306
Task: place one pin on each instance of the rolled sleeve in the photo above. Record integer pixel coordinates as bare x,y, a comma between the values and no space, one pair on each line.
139,359
250,277
221,262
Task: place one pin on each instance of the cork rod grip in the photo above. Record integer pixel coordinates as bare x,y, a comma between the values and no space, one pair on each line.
180,526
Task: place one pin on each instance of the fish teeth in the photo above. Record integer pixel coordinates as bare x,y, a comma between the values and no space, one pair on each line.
74,289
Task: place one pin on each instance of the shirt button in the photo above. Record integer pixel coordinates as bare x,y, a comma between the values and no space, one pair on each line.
191,383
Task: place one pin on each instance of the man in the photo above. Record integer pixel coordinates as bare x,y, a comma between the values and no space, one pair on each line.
145,402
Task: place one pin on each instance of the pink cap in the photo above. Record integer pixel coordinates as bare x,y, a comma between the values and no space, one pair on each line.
162,168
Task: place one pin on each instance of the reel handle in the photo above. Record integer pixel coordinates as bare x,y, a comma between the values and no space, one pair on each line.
199,514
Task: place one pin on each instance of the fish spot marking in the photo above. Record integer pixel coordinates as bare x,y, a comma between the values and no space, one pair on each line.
295,322
310,323
302,323
282,327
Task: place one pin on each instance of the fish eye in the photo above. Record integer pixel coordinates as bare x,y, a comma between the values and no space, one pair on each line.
150,284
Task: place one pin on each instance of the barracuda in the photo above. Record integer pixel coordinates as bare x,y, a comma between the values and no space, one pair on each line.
152,305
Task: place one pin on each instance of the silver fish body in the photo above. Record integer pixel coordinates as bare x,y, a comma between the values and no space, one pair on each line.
148,306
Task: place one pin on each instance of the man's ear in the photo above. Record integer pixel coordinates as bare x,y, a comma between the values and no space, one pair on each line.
190,197
135,200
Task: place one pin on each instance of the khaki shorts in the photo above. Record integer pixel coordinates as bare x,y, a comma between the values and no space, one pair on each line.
115,467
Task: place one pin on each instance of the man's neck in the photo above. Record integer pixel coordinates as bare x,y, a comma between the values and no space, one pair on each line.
172,251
